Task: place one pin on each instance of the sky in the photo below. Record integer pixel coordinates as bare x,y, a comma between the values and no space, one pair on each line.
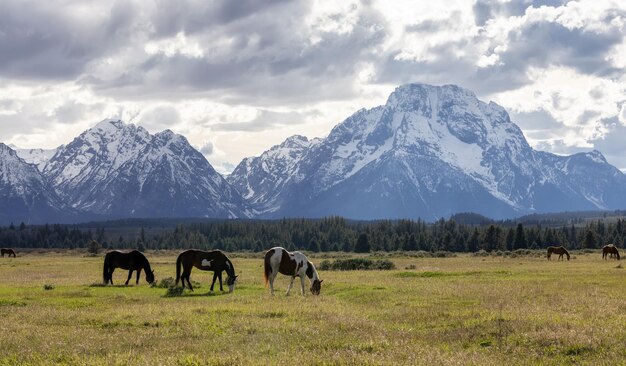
237,77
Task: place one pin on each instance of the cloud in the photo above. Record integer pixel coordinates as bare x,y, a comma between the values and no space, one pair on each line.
159,118
611,143
264,120
207,148
274,68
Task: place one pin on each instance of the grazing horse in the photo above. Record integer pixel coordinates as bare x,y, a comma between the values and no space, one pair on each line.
8,251
296,264
557,250
609,250
213,260
132,261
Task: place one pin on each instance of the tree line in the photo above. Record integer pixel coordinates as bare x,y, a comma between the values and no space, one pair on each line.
327,234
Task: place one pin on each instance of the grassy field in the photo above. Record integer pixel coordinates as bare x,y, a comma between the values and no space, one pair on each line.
446,311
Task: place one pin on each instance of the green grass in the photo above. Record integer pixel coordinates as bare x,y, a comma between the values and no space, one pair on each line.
463,310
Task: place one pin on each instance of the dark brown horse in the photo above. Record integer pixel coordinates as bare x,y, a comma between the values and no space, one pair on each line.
557,250
609,250
8,251
131,261
214,260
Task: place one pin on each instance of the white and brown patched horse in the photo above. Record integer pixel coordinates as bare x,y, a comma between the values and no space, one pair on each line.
279,260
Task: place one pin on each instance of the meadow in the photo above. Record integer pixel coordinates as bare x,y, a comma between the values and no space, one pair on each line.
464,310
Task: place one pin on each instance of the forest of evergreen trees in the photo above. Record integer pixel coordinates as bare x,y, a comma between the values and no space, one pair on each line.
328,234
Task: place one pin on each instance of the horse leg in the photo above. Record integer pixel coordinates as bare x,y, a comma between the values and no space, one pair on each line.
138,273
289,287
272,278
219,277
111,275
130,274
186,276
214,279
302,285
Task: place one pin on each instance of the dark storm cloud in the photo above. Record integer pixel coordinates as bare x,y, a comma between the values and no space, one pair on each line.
193,16
544,44
264,61
535,44
47,40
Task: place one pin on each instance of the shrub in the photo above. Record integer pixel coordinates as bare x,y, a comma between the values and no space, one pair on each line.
355,264
174,291
94,247
166,282
48,287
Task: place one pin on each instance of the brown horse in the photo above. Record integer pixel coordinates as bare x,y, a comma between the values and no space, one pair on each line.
214,260
609,250
557,250
131,261
8,251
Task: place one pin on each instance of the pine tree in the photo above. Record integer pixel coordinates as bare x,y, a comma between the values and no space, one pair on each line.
520,238
362,244
590,240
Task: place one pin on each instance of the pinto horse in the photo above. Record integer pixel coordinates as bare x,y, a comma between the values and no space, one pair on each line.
609,250
557,250
214,260
8,251
131,261
279,260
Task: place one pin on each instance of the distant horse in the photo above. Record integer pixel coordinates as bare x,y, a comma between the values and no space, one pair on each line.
609,250
8,251
131,261
557,250
296,264
214,260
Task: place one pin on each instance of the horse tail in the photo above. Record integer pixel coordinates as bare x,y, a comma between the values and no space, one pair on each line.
268,267
179,263
105,271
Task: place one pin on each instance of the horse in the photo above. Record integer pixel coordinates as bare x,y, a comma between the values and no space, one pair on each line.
279,260
8,251
132,261
609,250
557,250
213,260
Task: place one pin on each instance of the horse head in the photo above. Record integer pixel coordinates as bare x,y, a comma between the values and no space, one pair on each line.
230,281
150,276
316,286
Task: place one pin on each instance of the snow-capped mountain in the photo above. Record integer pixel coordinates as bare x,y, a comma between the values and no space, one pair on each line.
121,170
271,171
429,152
25,194
39,157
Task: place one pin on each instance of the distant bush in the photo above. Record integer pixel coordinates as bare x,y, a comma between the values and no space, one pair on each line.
444,254
356,264
94,247
166,282
480,253
174,291
48,287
